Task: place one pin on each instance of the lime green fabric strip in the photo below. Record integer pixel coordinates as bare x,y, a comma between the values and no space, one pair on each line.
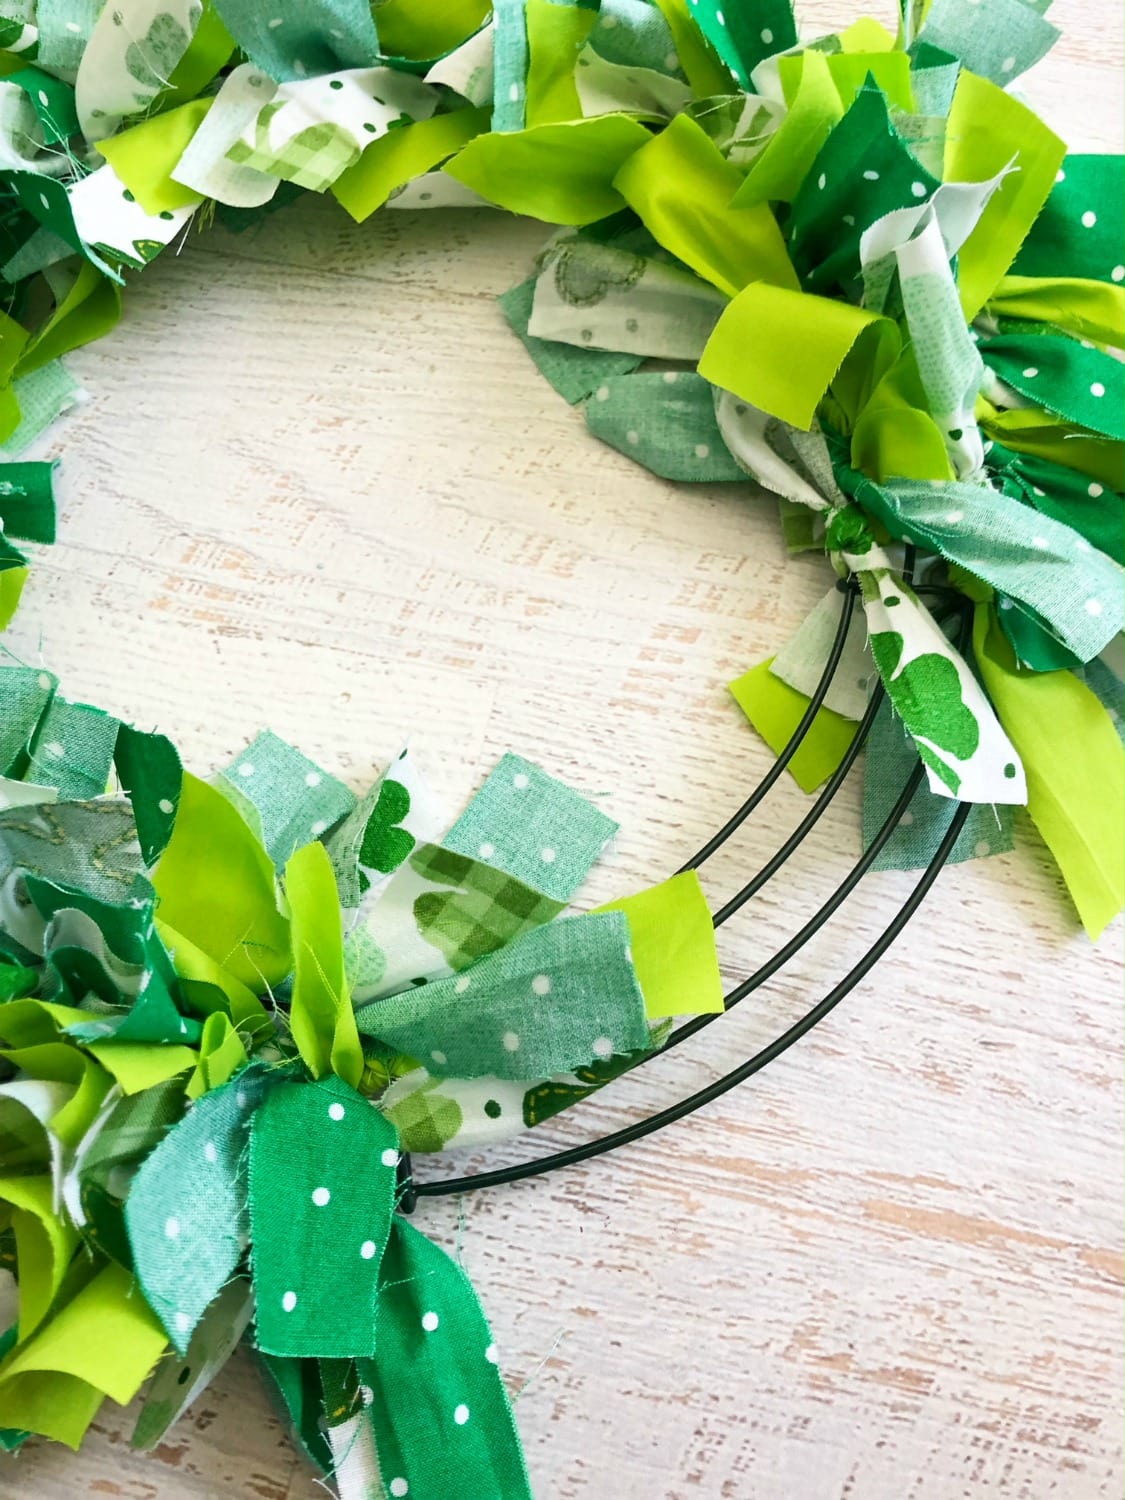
890,71
561,173
813,110
555,35
221,1056
401,155
672,939
770,321
422,30
208,986
216,886
697,58
320,1015
1093,310
106,1336
137,1066
88,310
775,709
1075,766
145,156
1043,435
682,188
54,1240
988,129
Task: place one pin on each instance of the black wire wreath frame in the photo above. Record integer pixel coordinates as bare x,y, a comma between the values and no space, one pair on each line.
410,1189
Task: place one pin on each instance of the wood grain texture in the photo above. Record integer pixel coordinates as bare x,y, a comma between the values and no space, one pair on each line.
319,487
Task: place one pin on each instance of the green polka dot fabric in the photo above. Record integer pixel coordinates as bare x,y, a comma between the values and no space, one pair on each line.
534,827
558,997
1086,386
321,1192
1081,231
285,797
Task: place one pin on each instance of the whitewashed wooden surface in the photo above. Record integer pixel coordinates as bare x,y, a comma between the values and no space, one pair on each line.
319,487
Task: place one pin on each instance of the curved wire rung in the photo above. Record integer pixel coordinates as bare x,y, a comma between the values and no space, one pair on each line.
411,1189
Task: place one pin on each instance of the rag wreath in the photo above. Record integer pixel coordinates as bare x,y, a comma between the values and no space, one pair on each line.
859,272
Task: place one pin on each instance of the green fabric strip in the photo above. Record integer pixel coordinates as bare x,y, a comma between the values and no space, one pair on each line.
509,61
443,1426
320,1013
24,695
151,775
27,501
532,826
559,997
890,758
72,749
318,36
775,709
573,371
743,35
322,1184
665,421
186,1213
1086,386
1075,767
1081,231
1036,562
293,799
1005,40
1094,510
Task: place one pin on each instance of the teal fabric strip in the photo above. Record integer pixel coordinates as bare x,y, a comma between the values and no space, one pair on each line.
322,1185
314,37
27,501
534,827
743,35
835,205
443,1426
509,63
24,695
294,801
574,372
999,41
665,421
1081,231
73,749
1044,566
558,998
634,34
890,759
151,776
1062,375
186,1213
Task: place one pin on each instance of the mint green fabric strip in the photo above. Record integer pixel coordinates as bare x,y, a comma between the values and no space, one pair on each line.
73,749
1041,565
532,826
560,997
89,845
1081,231
294,800
443,1426
1062,375
933,77
890,759
65,27
574,372
322,1186
24,695
665,421
42,396
998,41
27,501
509,62
315,37
186,1213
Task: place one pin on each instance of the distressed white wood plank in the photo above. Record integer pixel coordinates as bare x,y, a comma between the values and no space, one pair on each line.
318,486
